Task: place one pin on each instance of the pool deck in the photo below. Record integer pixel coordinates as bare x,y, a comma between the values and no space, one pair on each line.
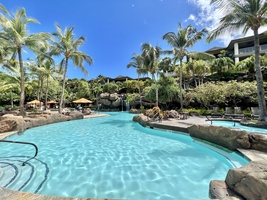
170,124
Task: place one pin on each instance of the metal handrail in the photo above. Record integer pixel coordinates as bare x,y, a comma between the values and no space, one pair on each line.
209,119
18,142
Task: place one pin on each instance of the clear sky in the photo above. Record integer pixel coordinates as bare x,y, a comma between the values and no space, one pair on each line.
115,29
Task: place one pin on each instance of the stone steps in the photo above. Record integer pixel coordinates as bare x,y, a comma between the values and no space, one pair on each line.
31,177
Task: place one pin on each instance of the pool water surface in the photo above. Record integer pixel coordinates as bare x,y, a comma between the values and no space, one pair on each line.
232,124
114,157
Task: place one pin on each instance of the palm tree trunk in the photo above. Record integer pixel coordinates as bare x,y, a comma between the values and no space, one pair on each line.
63,87
22,85
139,90
260,88
11,99
157,91
46,93
39,89
181,84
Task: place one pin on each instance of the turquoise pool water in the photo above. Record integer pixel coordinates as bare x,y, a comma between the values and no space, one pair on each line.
113,157
239,126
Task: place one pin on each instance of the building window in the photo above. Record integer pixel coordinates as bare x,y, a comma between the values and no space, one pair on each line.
263,47
251,49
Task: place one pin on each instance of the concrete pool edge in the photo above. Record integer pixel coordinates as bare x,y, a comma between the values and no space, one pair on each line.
7,194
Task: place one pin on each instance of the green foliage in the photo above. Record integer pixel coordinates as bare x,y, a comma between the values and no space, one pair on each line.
110,88
201,111
130,98
232,92
247,112
132,85
167,89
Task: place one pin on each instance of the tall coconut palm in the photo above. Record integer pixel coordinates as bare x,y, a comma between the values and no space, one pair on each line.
165,65
151,56
138,63
48,70
11,79
244,15
68,46
180,41
15,34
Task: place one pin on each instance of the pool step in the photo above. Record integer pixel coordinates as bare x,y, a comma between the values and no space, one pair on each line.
31,177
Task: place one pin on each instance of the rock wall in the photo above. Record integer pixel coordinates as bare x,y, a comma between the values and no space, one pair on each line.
250,181
141,119
20,124
229,138
110,100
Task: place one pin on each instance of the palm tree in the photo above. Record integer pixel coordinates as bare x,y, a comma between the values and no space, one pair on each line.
245,15
16,36
11,79
96,90
165,65
151,56
184,39
67,46
221,65
137,62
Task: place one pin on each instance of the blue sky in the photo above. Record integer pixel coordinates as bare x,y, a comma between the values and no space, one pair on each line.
115,29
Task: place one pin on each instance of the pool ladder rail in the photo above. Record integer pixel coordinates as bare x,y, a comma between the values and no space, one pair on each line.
29,143
208,119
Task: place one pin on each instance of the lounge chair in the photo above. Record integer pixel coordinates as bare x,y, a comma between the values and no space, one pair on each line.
238,113
229,112
66,111
255,112
215,112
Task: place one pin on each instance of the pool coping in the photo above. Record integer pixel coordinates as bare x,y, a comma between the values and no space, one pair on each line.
170,124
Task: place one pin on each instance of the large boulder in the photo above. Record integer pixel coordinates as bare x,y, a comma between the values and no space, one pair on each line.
250,181
220,190
116,103
111,101
229,138
141,119
173,114
104,95
7,125
258,142
113,97
20,124
105,102
134,111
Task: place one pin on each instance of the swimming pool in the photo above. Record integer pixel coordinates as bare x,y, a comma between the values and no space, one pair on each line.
113,157
232,124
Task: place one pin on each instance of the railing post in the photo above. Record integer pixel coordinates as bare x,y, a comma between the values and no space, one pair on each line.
18,142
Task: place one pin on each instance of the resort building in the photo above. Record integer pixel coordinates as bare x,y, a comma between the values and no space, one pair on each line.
122,79
242,48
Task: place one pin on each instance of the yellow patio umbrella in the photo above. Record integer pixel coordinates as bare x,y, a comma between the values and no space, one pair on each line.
34,102
51,102
82,100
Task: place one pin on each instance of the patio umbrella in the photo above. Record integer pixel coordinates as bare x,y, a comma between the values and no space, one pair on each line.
51,102
82,100
34,102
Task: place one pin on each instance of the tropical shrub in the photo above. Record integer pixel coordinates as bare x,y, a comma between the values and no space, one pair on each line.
154,112
110,88
224,94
